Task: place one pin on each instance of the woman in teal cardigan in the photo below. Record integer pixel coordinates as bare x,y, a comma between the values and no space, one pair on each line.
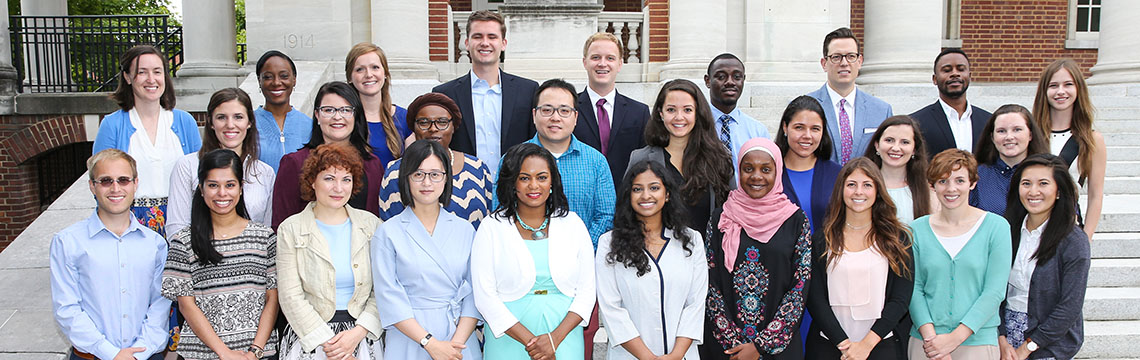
961,256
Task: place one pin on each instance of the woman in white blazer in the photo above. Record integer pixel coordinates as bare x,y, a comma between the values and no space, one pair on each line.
532,264
323,268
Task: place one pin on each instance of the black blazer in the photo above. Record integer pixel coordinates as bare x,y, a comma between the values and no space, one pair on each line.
822,183
627,129
896,309
936,130
516,125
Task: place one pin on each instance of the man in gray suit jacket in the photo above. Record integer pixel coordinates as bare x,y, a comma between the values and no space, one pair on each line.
852,115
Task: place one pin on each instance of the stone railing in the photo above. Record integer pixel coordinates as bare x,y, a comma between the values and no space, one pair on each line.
628,26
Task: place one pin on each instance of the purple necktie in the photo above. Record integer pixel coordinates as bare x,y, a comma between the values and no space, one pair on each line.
604,125
845,139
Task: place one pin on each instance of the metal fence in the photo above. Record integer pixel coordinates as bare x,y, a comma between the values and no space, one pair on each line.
81,53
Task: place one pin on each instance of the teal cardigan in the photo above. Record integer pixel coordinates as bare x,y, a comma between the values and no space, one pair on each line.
967,289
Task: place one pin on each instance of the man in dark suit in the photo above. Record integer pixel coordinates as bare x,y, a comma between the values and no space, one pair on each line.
952,77
608,121
495,105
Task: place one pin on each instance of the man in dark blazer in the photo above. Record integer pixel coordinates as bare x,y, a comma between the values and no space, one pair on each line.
626,117
495,105
952,77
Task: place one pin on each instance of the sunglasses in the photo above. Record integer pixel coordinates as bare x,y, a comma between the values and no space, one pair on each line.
106,181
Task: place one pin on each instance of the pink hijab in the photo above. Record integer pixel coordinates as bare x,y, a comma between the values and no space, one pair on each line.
759,218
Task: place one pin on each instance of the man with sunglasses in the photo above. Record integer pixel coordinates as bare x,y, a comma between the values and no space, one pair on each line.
852,115
106,272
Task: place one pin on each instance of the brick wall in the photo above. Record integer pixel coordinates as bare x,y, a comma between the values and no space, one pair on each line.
460,5
1009,40
439,44
658,30
623,5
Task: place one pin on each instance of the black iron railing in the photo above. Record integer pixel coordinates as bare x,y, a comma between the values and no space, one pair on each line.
241,55
81,53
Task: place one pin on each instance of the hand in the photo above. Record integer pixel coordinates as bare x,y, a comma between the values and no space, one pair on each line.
1007,351
745,351
940,346
1022,353
444,350
541,347
249,355
343,344
228,354
858,350
128,353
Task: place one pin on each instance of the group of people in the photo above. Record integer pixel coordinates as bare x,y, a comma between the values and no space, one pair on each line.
503,219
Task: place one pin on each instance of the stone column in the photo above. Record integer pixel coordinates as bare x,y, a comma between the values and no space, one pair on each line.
47,57
400,27
697,33
8,75
1118,60
784,38
544,37
901,39
209,45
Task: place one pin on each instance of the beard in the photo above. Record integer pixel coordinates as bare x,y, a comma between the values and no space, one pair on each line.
945,91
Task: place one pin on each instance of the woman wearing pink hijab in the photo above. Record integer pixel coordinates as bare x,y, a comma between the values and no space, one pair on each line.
759,265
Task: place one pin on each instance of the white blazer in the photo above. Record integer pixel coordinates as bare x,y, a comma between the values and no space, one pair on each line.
502,269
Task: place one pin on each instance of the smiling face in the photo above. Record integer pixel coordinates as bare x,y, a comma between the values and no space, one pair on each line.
1011,137
485,42
533,183
1062,90
430,114
221,190
757,173
843,74
954,189
114,199
230,124
555,129
332,187
952,76
338,128
427,192
277,81
368,74
648,195
679,113
896,146
1037,191
602,63
858,192
804,133
147,78
725,82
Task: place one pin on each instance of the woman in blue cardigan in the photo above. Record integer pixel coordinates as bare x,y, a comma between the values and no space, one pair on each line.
961,257
1041,316
145,94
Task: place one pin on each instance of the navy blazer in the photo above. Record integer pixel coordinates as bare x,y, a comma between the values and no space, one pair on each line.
822,183
627,129
870,111
936,132
516,125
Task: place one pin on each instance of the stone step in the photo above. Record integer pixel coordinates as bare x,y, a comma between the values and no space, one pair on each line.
1116,246
1121,138
1118,126
1124,168
1110,339
1123,153
1111,273
1120,214
1102,303
1122,184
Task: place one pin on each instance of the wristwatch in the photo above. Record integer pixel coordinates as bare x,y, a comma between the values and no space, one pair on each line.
1031,346
256,350
424,341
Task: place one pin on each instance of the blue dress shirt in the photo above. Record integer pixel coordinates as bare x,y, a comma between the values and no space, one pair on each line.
740,129
273,142
107,289
588,185
993,187
487,105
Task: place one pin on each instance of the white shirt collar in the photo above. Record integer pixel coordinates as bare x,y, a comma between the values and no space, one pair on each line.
949,110
835,97
594,96
1035,233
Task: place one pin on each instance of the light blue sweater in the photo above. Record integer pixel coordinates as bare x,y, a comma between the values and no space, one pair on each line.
115,132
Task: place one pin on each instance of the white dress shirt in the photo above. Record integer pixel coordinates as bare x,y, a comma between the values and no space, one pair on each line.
155,160
960,125
1021,274
850,106
257,192
609,105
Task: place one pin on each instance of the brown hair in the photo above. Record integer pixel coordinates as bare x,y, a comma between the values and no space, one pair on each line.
988,154
391,135
949,160
602,36
915,167
487,15
329,156
125,95
249,145
840,33
110,154
707,165
890,236
1082,122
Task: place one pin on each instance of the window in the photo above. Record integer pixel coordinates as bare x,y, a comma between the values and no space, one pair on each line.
1088,15
1084,24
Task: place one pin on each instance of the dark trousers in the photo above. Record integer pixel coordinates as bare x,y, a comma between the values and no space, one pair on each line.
887,349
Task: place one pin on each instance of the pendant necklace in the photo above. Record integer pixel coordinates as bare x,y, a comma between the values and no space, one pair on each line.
538,234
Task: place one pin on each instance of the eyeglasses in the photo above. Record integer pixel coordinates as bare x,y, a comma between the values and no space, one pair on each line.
106,181
441,123
835,58
434,176
328,112
547,110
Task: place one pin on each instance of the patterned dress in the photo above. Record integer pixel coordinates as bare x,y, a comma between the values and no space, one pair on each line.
231,294
762,300
470,191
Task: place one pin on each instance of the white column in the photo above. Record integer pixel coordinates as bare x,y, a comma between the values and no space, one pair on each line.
785,38
544,37
45,59
400,27
1118,60
209,40
901,39
697,33
8,76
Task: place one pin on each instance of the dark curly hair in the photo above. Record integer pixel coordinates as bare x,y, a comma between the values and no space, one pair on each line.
556,204
706,164
327,156
627,241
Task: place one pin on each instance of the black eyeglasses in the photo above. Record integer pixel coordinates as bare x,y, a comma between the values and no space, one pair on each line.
106,181
548,111
441,123
434,176
836,58
328,112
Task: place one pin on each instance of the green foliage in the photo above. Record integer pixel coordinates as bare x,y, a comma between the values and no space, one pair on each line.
239,14
108,7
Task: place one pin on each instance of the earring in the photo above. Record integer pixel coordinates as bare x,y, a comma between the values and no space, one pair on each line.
878,154
551,191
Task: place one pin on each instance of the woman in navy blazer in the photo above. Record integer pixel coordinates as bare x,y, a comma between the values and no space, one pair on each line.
810,175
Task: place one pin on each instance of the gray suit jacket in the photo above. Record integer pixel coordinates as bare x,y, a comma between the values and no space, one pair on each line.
870,111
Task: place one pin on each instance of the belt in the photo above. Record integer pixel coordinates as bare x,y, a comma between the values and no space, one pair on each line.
149,202
83,354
